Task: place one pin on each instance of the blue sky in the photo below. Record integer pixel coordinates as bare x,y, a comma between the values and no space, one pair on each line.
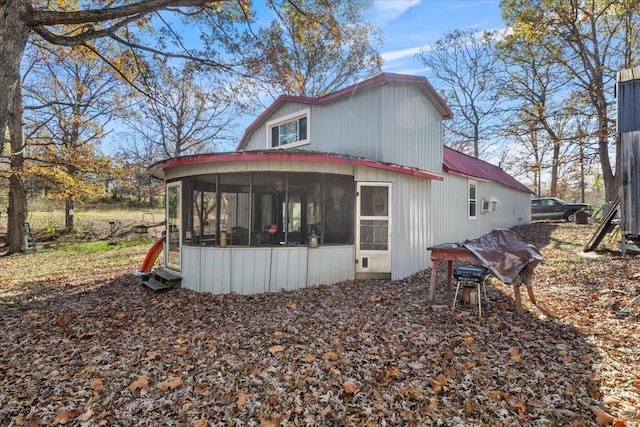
408,25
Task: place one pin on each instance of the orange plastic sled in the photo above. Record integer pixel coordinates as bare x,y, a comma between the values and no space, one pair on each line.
152,255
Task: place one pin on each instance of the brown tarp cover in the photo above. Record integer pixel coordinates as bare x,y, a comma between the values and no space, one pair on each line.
505,254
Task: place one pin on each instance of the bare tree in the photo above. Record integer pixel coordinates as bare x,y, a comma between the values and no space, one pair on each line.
190,111
591,40
464,64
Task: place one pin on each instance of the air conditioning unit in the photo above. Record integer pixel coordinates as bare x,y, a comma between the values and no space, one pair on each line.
489,205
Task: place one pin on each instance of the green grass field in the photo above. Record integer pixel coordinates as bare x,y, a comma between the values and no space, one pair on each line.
92,223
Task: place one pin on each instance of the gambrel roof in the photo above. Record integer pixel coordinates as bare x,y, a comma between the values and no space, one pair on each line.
382,79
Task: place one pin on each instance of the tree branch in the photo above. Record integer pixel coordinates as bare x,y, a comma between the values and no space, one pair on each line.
48,17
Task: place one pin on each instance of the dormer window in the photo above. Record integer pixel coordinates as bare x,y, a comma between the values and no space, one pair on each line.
289,131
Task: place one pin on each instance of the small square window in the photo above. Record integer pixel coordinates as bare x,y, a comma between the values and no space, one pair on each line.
288,131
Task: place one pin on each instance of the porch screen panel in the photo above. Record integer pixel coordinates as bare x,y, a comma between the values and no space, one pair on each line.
234,209
338,209
203,212
173,226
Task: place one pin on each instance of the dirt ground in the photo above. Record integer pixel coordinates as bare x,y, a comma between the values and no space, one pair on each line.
84,343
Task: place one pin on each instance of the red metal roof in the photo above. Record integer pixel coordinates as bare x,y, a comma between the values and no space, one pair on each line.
458,163
381,79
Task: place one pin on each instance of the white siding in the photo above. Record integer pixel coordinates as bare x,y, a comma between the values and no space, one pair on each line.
395,123
412,128
450,209
258,270
350,126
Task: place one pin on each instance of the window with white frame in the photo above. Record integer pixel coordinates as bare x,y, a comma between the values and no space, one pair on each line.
473,199
289,131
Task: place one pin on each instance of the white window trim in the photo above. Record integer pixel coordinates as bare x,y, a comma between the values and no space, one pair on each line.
285,119
469,199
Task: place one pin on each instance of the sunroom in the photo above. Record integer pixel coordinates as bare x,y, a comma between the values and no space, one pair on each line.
257,209
252,222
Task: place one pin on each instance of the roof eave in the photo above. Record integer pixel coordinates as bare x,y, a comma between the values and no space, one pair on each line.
157,169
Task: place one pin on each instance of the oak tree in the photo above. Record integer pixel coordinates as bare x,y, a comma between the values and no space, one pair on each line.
591,40
314,47
69,98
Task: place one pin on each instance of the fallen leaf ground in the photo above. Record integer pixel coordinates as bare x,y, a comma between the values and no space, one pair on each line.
86,344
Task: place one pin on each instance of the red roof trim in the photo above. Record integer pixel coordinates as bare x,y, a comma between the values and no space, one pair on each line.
464,175
379,80
457,163
248,156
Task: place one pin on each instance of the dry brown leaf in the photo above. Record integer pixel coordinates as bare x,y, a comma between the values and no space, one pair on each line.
169,384
393,371
65,416
514,353
63,319
469,365
200,423
469,338
308,358
32,314
264,422
571,388
199,389
86,416
468,407
602,418
438,383
291,304
330,355
62,418
97,384
242,400
276,349
278,334
350,387
141,382
520,406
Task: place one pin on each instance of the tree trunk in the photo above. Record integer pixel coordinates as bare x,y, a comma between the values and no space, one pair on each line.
610,187
14,32
68,215
17,212
554,168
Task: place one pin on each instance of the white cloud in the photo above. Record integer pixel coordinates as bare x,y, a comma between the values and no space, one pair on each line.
388,10
394,55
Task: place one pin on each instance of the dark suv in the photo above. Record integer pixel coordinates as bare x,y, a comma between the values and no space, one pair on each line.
553,208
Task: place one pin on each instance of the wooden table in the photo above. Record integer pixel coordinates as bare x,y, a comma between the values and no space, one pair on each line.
451,252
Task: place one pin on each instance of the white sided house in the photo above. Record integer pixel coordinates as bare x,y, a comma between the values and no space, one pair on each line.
354,184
